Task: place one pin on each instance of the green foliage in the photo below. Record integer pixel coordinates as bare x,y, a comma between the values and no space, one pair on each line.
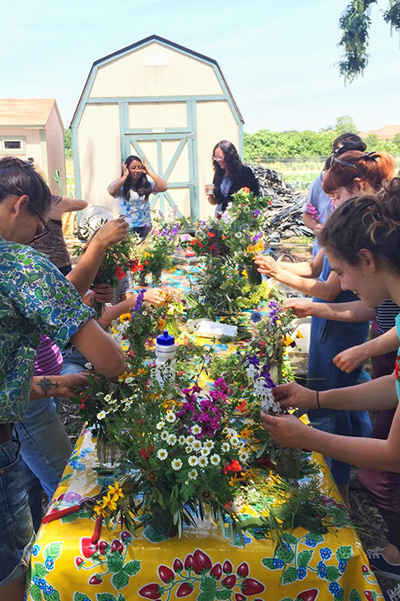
345,124
68,143
355,23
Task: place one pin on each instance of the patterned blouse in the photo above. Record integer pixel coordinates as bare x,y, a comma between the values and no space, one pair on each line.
34,297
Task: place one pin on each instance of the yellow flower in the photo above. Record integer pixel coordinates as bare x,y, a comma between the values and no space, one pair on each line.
299,334
125,317
99,510
250,249
244,274
161,324
116,490
122,377
110,502
259,247
287,340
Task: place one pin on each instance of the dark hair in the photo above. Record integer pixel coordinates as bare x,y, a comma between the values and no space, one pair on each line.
370,221
344,143
142,186
19,177
233,164
370,167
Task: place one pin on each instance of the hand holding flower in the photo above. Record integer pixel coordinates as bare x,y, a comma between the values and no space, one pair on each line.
287,430
267,265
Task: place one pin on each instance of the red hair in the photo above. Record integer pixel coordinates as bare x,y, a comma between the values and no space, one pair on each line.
370,167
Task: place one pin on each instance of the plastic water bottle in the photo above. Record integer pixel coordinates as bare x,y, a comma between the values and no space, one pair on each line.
165,358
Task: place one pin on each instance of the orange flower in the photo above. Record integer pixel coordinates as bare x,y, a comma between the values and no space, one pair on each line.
120,273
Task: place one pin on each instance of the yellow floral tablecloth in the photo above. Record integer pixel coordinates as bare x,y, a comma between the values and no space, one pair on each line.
201,566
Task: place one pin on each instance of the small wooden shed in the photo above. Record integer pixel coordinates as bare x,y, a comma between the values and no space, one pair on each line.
161,101
32,127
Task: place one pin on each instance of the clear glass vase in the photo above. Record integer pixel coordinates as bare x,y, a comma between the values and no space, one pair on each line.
108,452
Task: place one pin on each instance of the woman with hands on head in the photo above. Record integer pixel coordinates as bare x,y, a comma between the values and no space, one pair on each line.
133,189
362,242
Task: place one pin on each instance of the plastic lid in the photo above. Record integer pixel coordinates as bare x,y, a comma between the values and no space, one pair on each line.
165,339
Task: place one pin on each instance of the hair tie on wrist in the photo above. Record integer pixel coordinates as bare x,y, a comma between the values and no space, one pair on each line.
318,405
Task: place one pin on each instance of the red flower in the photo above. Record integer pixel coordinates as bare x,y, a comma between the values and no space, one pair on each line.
211,235
233,466
120,273
246,190
242,406
144,453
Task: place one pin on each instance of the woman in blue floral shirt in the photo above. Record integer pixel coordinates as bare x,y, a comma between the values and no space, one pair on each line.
133,189
35,298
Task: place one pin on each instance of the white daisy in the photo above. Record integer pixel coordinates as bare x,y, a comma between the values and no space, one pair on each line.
101,414
225,447
234,441
182,439
162,454
188,449
193,474
171,440
196,430
209,444
243,455
176,464
190,439
107,398
196,445
193,460
203,461
204,452
164,435
170,417
215,459
160,425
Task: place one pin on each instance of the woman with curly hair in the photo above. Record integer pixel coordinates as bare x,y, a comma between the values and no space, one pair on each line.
230,175
133,189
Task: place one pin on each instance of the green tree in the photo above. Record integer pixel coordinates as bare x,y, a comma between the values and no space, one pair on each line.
68,143
345,124
355,23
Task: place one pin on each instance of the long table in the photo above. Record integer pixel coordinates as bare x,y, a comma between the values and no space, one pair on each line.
202,565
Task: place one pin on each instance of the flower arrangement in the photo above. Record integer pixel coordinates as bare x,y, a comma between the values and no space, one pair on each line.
227,246
157,250
116,263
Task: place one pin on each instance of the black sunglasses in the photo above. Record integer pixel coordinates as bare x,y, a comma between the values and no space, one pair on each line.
45,228
333,159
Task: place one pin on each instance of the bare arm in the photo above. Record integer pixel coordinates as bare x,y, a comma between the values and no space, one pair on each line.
44,387
352,357
85,271
115,187
369,396
66,205
306,269
327,290
310,223
103,352
153,295
160,184
364,452
355,311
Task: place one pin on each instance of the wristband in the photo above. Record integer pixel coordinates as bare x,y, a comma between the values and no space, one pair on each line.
318,405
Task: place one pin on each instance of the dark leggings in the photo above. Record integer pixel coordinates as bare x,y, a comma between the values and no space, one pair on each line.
384,487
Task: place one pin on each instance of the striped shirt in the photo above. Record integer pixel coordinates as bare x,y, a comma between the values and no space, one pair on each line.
48,359
386,315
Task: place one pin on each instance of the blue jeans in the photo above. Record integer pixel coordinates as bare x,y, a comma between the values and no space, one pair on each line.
15,515
73,361
45,450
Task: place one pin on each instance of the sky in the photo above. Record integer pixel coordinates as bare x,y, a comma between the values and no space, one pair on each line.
278,57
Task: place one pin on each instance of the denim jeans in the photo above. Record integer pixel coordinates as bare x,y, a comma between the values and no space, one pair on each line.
45,450
73,361
15,516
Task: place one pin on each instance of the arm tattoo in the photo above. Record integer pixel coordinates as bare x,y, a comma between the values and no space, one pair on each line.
46,385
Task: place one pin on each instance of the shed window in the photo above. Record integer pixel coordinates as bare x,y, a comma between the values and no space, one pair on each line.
12,145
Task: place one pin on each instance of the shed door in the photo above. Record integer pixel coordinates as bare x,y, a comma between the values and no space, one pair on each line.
169,149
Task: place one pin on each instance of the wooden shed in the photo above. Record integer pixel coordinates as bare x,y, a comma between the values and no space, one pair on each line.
32,127
161,101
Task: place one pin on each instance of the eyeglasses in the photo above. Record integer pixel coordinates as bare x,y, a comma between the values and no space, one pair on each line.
218,159
135,168
334,159
43,232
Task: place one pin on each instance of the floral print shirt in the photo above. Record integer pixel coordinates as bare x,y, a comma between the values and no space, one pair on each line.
135,209
34,298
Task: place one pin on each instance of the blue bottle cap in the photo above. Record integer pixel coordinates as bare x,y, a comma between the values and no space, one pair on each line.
165,339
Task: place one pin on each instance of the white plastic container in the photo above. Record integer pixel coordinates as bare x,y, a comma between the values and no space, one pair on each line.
303,325
165,358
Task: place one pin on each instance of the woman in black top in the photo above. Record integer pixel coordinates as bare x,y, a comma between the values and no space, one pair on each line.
230,175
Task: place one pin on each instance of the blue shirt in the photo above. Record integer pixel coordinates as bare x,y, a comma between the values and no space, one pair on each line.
35,298
322,202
